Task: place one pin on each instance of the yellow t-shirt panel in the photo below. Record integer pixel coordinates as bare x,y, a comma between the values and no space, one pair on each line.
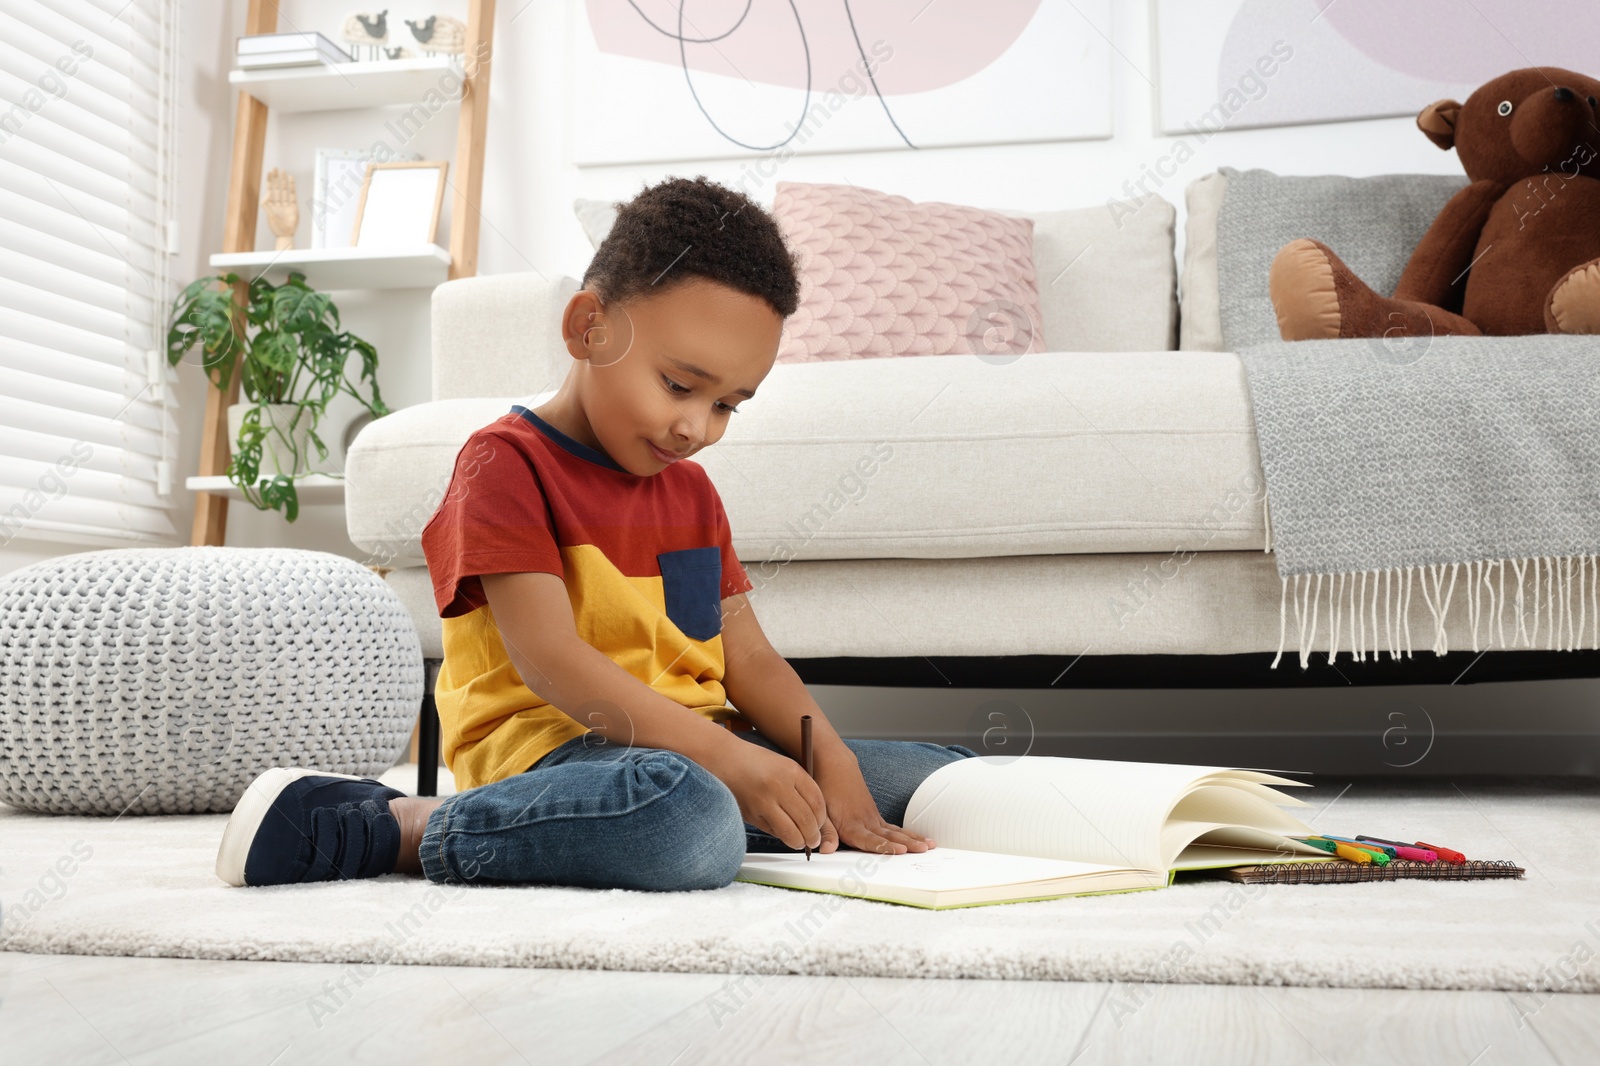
492,725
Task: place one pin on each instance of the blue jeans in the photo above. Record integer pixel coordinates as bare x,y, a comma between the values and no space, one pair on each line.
600,815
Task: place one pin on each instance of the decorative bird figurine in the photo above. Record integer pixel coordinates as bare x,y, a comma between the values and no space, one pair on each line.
440,33
369,30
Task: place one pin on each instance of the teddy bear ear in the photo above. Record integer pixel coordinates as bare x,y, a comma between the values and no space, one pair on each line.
1438,122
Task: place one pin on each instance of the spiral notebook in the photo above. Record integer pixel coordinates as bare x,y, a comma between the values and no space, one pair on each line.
1337,871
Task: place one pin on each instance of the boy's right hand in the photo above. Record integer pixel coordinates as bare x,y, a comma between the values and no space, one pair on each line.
775,793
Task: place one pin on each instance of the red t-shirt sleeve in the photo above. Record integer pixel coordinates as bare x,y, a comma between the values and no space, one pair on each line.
492,520
734,578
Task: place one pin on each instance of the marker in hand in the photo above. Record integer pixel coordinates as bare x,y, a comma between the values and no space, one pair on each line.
805,757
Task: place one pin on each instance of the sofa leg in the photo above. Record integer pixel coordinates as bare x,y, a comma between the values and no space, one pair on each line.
428,733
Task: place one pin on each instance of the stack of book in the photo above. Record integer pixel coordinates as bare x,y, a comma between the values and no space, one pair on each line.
287,50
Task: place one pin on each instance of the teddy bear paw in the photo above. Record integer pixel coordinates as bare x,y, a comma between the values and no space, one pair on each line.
1303,291
1573,305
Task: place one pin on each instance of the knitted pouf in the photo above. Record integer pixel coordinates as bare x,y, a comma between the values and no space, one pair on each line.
163,680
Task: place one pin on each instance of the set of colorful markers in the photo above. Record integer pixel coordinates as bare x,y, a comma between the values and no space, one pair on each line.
1380,852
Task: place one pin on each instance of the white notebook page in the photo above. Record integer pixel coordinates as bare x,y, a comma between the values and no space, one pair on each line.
1085,810
940,870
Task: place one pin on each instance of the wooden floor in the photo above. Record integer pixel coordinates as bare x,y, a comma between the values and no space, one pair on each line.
90,1010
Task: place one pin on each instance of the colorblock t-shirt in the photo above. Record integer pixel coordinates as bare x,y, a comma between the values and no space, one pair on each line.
646,559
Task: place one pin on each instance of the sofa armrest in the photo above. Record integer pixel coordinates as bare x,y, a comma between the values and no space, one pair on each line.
499,335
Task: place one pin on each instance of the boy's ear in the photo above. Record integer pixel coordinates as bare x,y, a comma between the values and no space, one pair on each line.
578,321
1438,122
596,331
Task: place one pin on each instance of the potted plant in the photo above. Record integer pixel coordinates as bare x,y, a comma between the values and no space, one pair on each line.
286,342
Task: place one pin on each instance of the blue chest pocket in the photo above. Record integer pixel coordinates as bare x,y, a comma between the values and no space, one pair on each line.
691,583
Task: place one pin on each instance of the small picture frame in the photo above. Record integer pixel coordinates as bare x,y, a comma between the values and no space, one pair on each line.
340,173
400,204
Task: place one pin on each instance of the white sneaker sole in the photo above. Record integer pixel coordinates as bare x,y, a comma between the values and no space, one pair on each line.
252,807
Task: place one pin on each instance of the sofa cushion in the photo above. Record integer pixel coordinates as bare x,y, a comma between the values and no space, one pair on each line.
882,276
1199,302
934,457
1372,223
1106,276
596,218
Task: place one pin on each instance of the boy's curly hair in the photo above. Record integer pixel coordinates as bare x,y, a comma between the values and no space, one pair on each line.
691,227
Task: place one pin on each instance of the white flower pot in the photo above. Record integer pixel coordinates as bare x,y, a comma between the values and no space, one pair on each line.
287,436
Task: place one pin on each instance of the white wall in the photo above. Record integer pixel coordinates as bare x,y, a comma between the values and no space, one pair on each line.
529,185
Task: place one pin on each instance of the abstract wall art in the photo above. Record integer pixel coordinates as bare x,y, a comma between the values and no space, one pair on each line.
1243,63
659,80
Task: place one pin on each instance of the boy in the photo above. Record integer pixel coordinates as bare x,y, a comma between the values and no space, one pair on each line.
581,562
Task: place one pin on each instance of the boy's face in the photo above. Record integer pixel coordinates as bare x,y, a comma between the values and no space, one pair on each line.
636,389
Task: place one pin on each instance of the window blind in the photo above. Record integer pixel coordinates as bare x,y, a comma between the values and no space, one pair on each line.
88,438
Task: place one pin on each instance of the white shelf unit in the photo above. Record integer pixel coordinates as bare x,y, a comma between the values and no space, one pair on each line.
461,80
345,268
308,488
332,87
342,86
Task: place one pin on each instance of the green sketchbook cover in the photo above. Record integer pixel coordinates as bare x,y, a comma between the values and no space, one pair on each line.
1041,827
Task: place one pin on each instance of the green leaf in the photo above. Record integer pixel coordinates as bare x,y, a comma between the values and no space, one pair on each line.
277,351
299,309
280,493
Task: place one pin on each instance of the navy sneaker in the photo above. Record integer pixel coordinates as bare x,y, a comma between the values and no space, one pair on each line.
294,825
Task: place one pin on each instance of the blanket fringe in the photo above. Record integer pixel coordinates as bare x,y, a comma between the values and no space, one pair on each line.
1556,596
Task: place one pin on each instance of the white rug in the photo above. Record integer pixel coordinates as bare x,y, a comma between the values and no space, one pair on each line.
144,886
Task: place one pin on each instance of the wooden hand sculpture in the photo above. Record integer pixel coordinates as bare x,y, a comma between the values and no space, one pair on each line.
283,210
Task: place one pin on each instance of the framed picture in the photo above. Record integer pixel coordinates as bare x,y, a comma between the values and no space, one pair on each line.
336,193
1237,64
400,204
780,79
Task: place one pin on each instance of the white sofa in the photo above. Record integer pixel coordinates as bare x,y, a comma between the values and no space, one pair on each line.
1101,498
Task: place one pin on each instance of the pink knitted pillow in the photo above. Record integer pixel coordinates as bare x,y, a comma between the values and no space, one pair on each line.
881,276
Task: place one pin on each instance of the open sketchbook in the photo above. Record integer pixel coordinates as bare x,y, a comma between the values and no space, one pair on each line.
1040,827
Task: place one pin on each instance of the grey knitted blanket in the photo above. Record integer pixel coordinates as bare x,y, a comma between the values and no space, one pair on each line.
1393,464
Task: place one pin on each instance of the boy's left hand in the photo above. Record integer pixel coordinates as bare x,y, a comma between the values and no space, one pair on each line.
853,817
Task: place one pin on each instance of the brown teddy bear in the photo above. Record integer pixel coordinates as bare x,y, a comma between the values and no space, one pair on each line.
1517,251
